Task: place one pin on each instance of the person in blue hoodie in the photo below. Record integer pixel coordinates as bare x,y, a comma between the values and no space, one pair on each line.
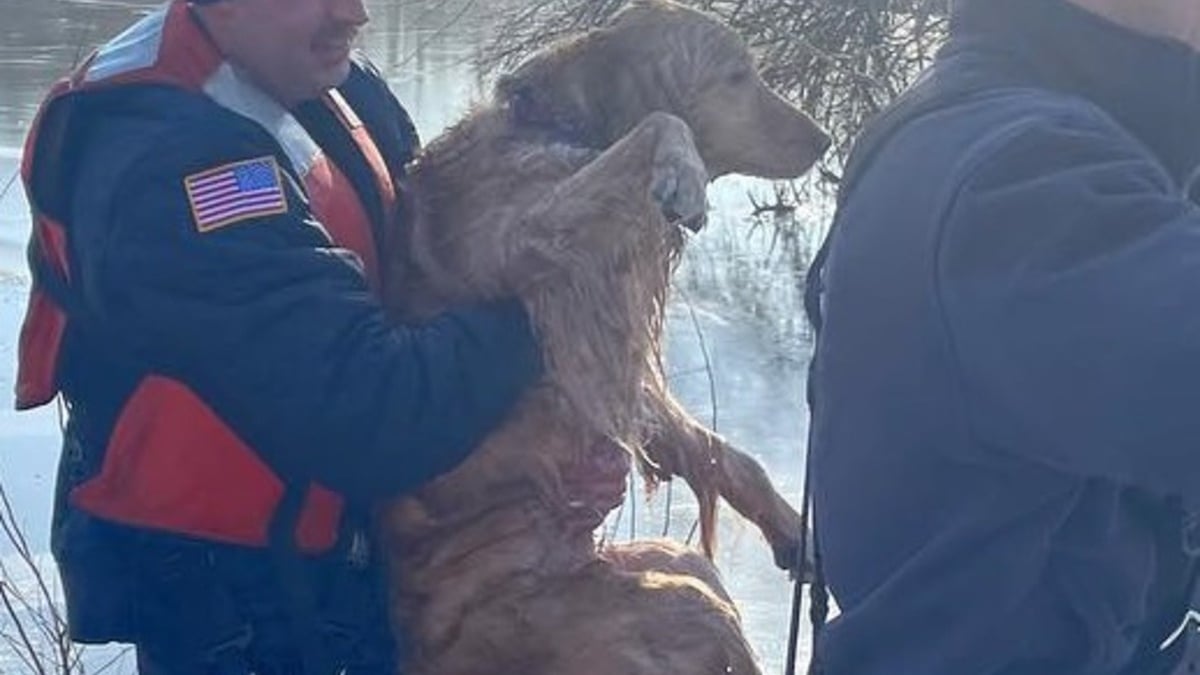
212,193
1006,382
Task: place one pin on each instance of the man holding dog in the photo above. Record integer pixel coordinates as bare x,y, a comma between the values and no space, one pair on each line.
1006,447
211,190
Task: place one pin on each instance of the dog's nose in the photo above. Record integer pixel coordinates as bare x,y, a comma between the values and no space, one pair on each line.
821,144
695,223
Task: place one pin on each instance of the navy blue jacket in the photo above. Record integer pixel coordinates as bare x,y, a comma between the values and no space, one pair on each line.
1006,433
274,327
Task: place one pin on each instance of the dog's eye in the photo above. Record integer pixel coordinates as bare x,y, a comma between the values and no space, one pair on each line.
738,77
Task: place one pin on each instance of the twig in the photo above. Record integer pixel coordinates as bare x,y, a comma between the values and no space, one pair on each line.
778,208
692,533
17,537
666,530
435,34
632,507
712,381
14,644
40,612
12,180
708,369
24,637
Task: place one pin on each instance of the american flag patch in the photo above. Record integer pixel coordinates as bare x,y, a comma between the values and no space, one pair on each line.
235,192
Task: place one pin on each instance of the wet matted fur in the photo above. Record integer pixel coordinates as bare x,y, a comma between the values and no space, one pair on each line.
568,190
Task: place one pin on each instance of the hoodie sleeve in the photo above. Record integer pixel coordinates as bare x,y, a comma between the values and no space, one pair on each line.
274,327
1069,278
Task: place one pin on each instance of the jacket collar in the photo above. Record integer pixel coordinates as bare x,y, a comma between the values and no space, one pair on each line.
1150,86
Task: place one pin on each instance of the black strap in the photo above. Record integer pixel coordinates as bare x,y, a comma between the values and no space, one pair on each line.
297,583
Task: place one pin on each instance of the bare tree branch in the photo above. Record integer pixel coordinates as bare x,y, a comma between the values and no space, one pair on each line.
42,639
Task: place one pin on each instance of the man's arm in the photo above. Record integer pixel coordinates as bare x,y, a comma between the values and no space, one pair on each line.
276,330
1069,276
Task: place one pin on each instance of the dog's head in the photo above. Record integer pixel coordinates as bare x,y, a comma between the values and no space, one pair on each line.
658,55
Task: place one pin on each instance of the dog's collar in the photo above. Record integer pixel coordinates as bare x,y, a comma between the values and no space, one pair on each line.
528,112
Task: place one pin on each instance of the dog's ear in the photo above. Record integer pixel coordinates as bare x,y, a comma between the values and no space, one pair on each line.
643,12
599,85
531,99
648,5
554,87
531,84
514,87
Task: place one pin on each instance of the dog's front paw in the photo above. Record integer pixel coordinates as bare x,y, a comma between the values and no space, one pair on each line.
678,178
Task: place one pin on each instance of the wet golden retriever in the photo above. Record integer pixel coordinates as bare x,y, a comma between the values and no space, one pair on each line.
568,190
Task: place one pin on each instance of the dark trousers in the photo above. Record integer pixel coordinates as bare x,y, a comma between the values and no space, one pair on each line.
209,610
238,663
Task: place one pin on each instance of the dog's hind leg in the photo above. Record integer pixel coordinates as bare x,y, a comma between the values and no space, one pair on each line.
712,467
610,620
666,556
